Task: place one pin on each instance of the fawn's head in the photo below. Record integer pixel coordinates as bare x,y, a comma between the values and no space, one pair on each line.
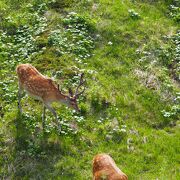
71,99
72,103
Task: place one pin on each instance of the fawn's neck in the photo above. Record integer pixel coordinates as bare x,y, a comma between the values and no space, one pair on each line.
62,98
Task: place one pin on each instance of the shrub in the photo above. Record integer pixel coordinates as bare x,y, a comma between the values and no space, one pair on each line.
59,4
133,14
175,12
75,38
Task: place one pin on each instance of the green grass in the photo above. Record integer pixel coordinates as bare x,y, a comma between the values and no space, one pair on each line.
122,113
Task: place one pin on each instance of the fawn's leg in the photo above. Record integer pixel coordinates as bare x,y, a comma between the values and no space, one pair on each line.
54,113
19,98
43,116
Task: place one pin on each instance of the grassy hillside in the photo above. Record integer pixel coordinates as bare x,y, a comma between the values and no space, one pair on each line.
129,52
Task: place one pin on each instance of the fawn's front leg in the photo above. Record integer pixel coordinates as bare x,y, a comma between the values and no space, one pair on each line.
48,106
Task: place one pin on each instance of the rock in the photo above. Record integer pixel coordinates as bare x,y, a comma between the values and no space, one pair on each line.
94,7
114,123
108,137
145,139
129,141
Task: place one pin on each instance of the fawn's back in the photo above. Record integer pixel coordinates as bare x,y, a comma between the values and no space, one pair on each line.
34,83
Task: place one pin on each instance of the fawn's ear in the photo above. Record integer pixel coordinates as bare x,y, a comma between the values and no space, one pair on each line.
70,92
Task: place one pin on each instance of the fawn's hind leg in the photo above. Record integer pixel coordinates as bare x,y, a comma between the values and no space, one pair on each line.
20,89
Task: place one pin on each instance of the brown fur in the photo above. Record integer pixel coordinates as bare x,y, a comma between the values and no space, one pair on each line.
104,167
36,84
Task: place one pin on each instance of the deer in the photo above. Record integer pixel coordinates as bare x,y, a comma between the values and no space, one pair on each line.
45,89
105,168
